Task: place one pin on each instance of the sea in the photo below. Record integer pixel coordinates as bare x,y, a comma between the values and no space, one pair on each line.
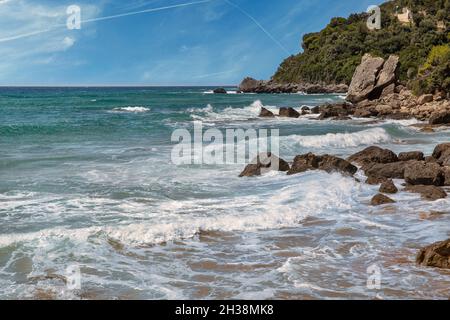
92,207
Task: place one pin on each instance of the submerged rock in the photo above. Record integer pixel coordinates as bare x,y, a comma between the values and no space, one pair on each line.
220,91
436,255
381,199
428,192
264,162
388,187
326,163
289,113
266,113
373,155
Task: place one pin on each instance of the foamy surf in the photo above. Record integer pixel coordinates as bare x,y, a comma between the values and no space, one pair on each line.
131,109
341,140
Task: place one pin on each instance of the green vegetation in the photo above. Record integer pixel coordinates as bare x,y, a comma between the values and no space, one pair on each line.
332,55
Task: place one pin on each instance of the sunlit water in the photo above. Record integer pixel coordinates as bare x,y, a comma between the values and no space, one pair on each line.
86,180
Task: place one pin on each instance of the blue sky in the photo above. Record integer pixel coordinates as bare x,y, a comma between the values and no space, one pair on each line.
209,43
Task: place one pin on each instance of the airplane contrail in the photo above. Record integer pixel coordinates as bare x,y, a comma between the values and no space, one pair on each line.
29,34
259,26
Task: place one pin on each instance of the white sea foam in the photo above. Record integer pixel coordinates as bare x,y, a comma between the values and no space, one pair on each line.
132,109
340,140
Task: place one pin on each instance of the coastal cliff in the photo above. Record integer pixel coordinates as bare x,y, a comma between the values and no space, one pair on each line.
330,57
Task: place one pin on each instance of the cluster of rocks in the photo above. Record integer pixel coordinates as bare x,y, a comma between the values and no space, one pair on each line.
284,112
376,92
425,175
250,85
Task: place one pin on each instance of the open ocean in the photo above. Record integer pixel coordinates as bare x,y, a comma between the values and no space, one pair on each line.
86,181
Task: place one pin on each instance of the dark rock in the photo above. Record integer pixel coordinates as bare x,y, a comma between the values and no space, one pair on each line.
446,172
264,162
388,187
423,173
315,110
375,180
393,170
220,91
442,153
326,163
335,110
373,154
428,192
436,255
413,155
342,118
381,199
399,116
266,113
289,113
306,108
442,117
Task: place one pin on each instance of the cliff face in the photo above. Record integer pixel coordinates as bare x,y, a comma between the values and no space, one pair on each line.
332,55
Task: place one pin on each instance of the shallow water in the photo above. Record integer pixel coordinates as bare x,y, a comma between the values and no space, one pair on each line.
86,180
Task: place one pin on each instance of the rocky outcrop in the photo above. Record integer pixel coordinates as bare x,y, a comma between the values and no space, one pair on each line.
424,173
336,111
388,186
220,91
436,255
381,199
250,85
373,155
442,154
326,163
264,162
371,77
266,113
431,193
289,113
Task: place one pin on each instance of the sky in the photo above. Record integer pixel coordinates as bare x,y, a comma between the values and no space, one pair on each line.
156,42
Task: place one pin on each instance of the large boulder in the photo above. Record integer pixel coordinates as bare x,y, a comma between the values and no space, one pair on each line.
446,171
373,78
393,170
412,155
424,173
442,154
365,78
381,199
326,163
336,110
428,192
436,255
264,162
373,155
289,113
440,117
266,113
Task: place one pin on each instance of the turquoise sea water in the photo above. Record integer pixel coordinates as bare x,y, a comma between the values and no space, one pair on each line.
86,180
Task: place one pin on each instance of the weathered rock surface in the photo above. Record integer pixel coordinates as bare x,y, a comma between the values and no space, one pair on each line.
388,187
428,192
266,113
393,170
327,163
381,199
289,113
442,153
436,255
372,77
424,173
413,155
440,117
373,155
264,162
